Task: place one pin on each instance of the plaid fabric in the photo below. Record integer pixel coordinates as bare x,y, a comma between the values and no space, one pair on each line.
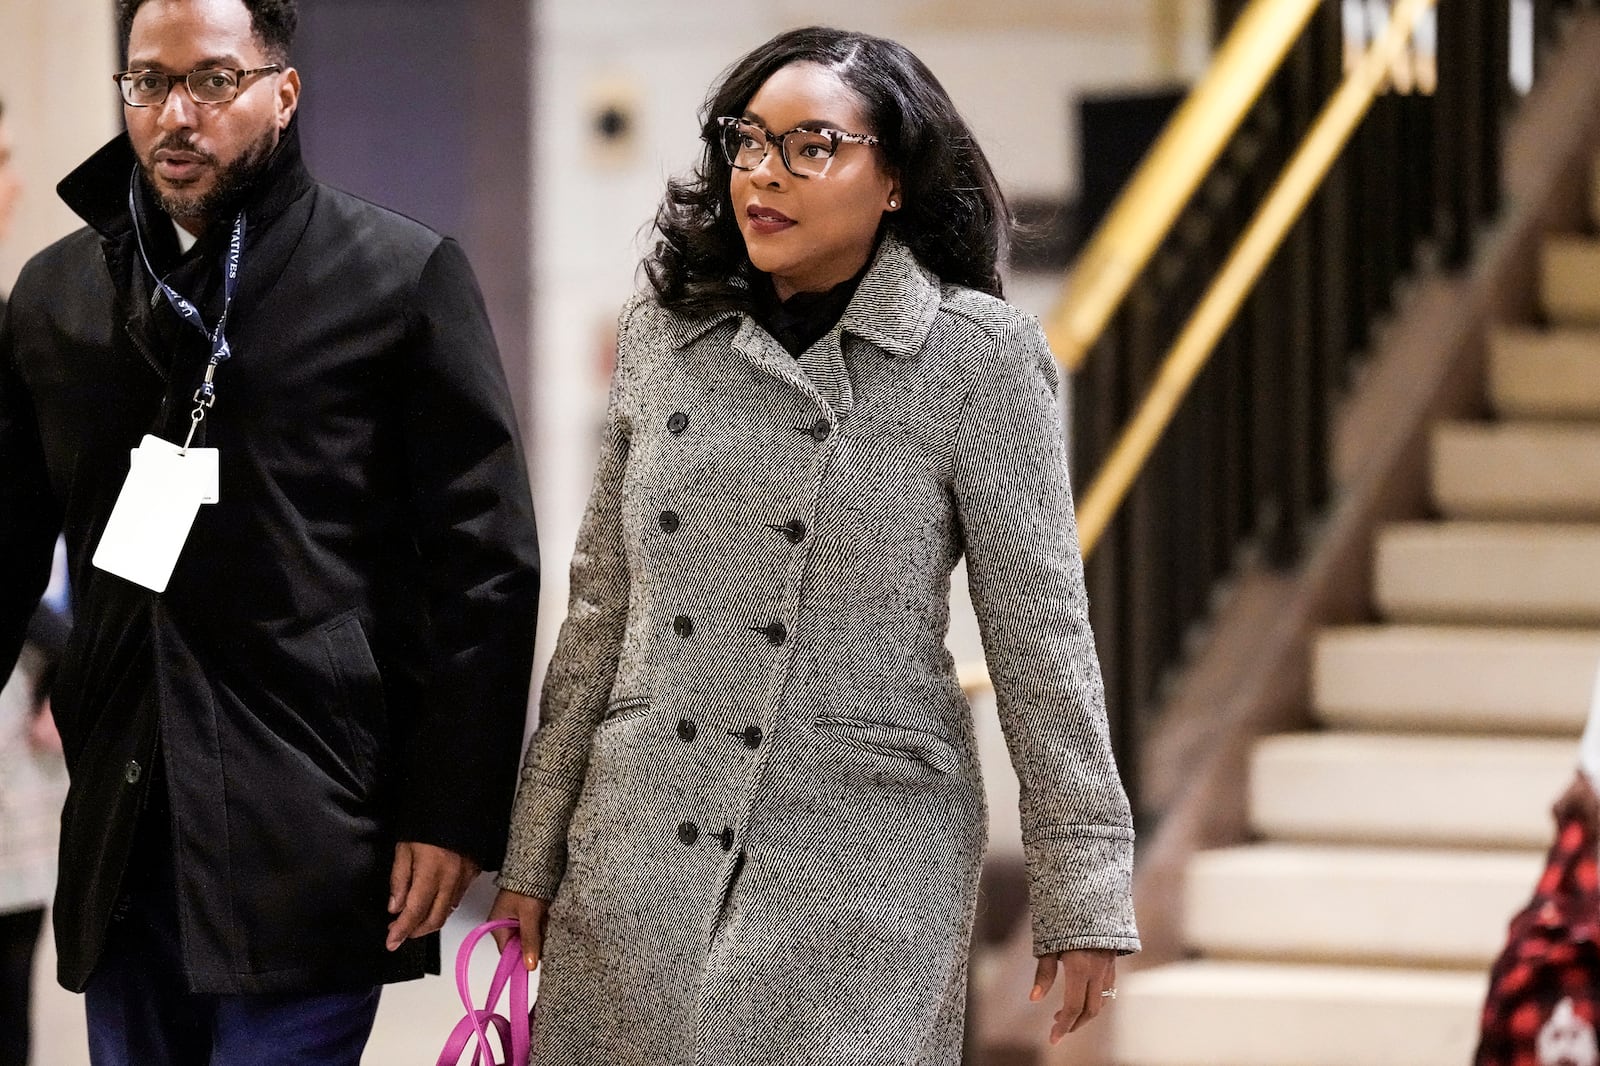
1544,990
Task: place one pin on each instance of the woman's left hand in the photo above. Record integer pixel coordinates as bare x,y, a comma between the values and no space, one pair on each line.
1086,976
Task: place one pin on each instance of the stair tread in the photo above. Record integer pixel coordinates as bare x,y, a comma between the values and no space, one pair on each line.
1277,1014
1227,978
1422,906
1482,572
1568,265
1408,788
1510,678
1521,469
1544,373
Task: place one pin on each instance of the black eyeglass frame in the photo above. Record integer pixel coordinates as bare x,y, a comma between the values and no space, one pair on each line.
239,77
836,138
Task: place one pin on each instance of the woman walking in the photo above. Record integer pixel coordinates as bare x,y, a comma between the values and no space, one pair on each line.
751,823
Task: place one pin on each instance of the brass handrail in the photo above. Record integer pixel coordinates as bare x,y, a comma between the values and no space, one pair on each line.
1272,222
1172,170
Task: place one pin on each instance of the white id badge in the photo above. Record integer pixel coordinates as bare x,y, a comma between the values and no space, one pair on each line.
156,510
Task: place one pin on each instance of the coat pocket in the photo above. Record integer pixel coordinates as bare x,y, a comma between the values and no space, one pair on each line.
626,708
893,741
361,717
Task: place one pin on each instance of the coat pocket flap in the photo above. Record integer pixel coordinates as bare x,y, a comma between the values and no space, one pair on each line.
897,741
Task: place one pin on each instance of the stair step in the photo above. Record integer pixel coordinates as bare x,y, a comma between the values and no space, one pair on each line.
1491,572
1254,1014
1381,788
1455,677
1594,188
1537,373
1356,905
1570,280
1517,470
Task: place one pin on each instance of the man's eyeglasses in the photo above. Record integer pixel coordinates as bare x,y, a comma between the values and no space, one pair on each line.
806,153
211,85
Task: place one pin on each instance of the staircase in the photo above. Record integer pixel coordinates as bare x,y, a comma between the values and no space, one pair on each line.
1396,842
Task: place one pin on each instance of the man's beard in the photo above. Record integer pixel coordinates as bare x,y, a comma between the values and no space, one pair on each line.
233,181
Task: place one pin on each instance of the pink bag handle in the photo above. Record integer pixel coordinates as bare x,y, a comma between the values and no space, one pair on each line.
513,1031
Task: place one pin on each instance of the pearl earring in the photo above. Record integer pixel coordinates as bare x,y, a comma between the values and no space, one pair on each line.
894,205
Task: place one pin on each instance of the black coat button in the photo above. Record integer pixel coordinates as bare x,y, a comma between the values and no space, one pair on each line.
669,521
752,736
725,838
677,423
821,430
687,730
773,631
794,531
688,832
132,772
682,626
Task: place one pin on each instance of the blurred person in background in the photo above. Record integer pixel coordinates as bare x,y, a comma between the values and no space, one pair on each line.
751,822
292,749
33,779
1580,801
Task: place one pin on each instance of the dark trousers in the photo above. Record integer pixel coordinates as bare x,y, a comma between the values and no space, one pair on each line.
19,939
141,1012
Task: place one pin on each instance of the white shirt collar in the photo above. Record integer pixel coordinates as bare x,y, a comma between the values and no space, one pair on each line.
186,240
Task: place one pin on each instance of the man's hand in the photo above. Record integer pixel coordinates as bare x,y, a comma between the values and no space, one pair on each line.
1579,801
425,885
1085,974
529,912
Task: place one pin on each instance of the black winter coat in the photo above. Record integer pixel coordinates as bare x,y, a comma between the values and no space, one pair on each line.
342,657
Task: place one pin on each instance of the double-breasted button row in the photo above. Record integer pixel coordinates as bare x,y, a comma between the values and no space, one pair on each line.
689,835
752,736
775,632
819,431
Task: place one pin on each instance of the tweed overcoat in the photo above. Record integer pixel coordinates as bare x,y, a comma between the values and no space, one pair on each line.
754,795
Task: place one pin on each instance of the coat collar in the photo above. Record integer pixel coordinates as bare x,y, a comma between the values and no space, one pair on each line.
98,189
893,308
896,302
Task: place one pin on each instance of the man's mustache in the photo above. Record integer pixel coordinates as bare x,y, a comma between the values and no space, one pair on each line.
179,143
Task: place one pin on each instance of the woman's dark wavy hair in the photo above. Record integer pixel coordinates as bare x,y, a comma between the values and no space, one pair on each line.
953,216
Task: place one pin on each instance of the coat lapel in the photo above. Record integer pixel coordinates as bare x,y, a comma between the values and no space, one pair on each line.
756,345
823,365
895,304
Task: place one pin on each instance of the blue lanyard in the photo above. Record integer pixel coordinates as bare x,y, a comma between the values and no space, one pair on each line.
206,395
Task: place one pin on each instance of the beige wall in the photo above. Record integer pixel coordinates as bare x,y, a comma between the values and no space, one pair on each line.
56,62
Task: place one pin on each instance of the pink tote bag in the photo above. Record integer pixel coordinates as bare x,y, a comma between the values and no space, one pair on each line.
512,1029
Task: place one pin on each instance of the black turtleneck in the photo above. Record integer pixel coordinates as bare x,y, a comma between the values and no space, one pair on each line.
804,318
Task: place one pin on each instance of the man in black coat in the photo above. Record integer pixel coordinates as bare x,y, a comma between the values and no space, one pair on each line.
291,756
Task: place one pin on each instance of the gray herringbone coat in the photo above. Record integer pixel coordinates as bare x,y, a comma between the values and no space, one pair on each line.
754,795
